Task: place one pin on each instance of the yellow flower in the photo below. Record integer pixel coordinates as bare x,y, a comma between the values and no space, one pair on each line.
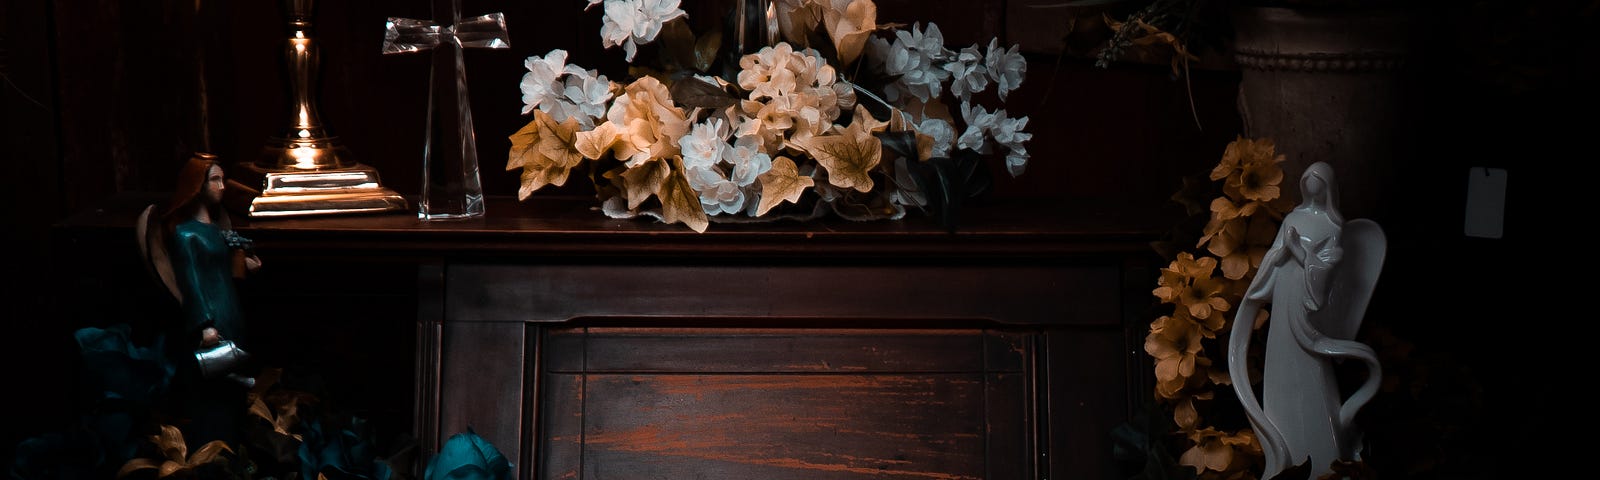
1185,415
1251,170
1174,342
1238,236
1187,283
1220,451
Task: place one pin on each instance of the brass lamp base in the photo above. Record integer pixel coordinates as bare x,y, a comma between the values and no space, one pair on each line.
266,193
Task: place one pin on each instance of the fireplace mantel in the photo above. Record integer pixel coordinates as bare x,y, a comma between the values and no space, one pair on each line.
590,347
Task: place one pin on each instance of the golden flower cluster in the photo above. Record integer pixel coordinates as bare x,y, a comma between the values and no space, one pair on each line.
1203,287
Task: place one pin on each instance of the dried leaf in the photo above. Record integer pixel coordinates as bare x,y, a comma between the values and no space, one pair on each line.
135,465
848,156
259,409
170,443
640,182
524,144
209,452
691,93
783,183
594,144
546,151
170,467
557,141
679,203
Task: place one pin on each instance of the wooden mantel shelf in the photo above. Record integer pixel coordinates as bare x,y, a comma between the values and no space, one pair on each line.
574,225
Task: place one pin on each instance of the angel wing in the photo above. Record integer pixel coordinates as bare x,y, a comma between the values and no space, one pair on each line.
1364,248
153,252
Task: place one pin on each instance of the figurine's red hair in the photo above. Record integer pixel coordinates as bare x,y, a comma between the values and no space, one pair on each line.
191,181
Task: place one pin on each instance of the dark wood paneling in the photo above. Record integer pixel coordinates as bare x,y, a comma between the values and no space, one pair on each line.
924,418
794,350
1088,395
554,293
480,382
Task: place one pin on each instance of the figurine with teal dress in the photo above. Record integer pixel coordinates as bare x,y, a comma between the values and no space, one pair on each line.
189,245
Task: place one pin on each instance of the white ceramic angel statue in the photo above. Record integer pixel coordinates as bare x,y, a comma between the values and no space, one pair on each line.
1318,276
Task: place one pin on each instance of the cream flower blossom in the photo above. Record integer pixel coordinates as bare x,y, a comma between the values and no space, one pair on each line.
630,23
748,160
1008,133
718,194
705,144
647,121
943,134
786,101
1006,67
540,85
979,121
588,92
968,75
915,57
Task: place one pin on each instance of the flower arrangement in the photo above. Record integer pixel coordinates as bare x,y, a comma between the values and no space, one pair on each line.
1202,285
833,113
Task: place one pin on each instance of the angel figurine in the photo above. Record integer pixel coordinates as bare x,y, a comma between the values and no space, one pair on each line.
1318,277
189,246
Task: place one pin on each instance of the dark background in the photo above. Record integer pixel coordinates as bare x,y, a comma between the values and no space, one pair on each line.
104,96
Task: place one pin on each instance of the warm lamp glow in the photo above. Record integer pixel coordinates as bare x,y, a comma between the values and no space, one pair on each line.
305,157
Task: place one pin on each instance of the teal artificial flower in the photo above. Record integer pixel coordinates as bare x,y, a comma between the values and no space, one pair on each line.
467,456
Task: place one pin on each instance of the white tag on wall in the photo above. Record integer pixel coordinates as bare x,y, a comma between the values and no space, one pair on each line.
1486,202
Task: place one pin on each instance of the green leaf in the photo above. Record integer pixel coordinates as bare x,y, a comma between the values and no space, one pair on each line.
936,179
947,181
903,144
678,42
977,178
706,48
692,93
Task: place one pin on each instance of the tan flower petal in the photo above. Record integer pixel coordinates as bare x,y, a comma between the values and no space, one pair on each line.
1185,415
850,28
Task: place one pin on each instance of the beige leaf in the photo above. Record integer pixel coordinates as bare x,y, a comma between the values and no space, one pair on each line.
640,182
848,156
869,123
534,178
523,145
558,141
594,144
783,183
679,203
